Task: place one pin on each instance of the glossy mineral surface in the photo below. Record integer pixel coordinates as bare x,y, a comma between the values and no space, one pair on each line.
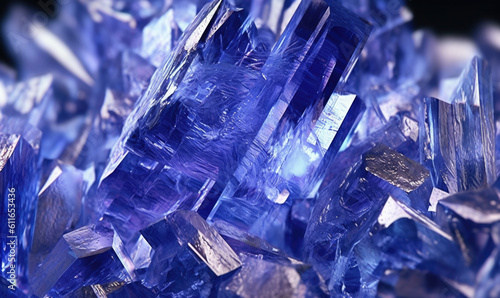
230,148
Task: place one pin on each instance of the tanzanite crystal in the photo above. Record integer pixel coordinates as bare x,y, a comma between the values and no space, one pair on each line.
72,262
187,255
458,135
58,210
19,188
232,148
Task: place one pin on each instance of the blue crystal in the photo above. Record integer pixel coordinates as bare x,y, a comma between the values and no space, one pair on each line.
161,34
58,210
187,255
384,15
471,218
458,136
348,208
409,244
274,280
19,188
139,119
265,267
291,169
345,212
72,262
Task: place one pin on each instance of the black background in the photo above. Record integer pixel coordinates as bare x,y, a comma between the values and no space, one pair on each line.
441,16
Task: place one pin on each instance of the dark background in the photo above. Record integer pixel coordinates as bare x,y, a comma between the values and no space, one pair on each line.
441,16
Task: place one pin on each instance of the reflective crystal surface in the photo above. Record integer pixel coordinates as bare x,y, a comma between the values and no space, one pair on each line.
72,262
458,135
187,251
19,188
231,148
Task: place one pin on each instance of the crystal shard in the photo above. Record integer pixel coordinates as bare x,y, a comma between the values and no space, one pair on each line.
58,211
19,176
471,217
192,231
278,169
289,171
202,132
408,244
189,252
350,206
72,262
480,206
263,278
458,143
345,212
400,171
391,166
161,34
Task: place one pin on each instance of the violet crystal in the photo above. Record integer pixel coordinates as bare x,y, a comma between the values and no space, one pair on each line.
230,148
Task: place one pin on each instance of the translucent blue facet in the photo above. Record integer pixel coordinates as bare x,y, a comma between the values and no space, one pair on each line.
72,262
457,137
235,148
19,189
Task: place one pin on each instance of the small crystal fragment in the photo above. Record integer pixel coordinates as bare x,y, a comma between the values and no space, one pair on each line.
72,262
394,168
263,278
192,231
58,210
188,256
480,206
459,137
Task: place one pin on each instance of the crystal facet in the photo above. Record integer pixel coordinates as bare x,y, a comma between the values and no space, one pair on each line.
233,148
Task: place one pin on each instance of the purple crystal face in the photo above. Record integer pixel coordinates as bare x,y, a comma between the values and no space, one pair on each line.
231,148
19,186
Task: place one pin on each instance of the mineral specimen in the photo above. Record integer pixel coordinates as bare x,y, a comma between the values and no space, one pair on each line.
231,148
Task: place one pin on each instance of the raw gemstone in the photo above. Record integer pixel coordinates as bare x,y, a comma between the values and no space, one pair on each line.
410,244
264,267
114,289
471,217
289,154
197,68
458,137
73,261
19,176
345,212
263,278
161,34
395,168
288,171
58,210
188,255
138,119
350,206
402,172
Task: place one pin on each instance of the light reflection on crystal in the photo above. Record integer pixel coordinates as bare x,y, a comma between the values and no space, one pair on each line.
249,148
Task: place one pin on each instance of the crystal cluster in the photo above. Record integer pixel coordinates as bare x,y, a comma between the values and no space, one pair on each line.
231,148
